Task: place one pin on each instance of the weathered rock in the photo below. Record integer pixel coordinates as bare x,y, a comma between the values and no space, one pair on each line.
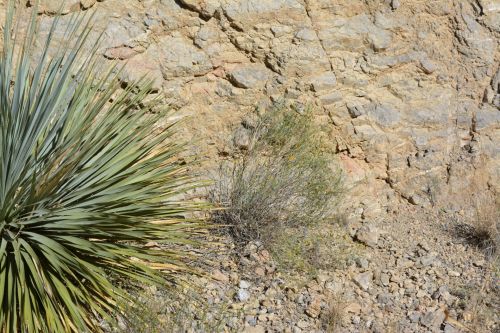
314,308
206,8
362,263
380,39
433,319
120,53
450,329
324,81
219,276
364,280
487,117
86,4
244,284
368,235
241,138
249,76
428,66
56,6
243,295
254,329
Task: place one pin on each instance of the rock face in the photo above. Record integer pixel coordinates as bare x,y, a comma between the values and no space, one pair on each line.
410,90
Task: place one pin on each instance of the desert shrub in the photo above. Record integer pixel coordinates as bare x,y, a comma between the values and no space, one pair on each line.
285,178
487,227
310,249
87,181
482,228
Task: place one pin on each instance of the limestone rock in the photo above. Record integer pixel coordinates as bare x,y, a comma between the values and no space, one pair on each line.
368,235
86,4
324,81
252,76
243,295
433,319
206,8
56,6
314,308
254,329
364,280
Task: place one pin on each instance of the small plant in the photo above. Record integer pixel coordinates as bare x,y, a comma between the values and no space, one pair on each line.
323,246
174,310
284,179
487,225
483,230
333,315
87,180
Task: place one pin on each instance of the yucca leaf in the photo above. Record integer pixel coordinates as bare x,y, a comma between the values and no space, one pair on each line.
87,179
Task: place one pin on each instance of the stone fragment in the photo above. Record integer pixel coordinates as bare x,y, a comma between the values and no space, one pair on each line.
324,81
244,284
241,138
364,280
252,76
120,53
280,30
427,260
243,295
219,276
404,263
259,271
314,308
384,279
306,34
179,57
56,6
331,98
362,263
450,329
205,8
433,319
303,324
384,115
353,308
487,117
86,4
395,4
355,110
428,66
384,298
380,39
368,235
414,317
254,329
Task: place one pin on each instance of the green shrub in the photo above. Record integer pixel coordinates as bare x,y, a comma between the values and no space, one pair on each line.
87,179
286,178
310,249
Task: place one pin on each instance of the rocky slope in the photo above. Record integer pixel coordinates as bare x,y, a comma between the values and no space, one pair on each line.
404,274
409,92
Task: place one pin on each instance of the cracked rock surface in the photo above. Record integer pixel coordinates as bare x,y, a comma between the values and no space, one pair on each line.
409,89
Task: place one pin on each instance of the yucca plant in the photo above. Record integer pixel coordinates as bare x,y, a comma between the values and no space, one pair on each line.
87,180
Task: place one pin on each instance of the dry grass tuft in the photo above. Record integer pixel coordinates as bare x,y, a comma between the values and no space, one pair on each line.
333,315
484,229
